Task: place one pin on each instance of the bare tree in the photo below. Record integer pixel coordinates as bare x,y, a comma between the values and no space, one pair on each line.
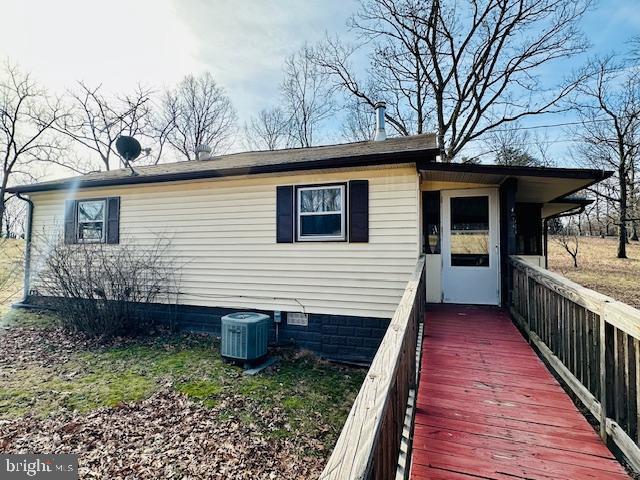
512,145
474,64
307,97
568,239
269,130
359,124
197,112
397,75
27,135
609,110
14,216
96,120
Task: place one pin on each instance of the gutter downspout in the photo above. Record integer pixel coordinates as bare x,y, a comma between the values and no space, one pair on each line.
27,249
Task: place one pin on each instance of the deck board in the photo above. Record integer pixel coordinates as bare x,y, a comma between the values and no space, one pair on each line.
488,408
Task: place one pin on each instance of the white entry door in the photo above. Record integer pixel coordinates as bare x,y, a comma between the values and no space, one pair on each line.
470,246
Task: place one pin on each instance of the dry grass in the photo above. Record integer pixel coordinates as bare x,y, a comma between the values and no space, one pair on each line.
599,269
11,271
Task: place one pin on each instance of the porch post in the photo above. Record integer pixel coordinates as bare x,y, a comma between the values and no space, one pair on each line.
545,234
508,230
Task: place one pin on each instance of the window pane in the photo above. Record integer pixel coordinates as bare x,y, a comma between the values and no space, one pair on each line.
91,211
321,200
470,232
321,225
90,231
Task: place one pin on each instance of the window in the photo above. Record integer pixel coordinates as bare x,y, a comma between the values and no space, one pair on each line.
470,231
431,222
321,212
91,220
528,229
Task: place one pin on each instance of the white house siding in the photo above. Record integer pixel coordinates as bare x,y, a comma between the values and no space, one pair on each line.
223,234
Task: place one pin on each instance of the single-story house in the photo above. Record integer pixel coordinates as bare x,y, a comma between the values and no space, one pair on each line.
327,236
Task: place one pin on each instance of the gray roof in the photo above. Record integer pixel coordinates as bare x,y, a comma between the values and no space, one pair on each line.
393,150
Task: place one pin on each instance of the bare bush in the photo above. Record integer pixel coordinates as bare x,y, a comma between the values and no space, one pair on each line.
106,289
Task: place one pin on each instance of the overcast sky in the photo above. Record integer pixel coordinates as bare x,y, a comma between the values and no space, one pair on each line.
120,43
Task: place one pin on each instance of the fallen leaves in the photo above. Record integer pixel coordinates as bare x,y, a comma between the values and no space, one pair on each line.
199,418
170,436
237,430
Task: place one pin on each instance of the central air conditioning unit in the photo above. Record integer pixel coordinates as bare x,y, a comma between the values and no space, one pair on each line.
245,336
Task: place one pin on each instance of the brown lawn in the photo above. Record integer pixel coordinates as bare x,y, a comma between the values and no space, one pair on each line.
11,258
599,269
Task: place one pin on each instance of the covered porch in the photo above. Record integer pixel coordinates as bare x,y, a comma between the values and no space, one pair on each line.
475,216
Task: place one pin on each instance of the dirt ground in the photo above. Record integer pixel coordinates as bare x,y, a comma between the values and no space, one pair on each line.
599,269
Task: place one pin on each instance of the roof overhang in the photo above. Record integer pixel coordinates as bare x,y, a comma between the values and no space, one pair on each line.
535,184
565,206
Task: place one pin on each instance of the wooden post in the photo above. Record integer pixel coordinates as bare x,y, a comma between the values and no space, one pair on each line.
528,306
545,240
507,216
603,374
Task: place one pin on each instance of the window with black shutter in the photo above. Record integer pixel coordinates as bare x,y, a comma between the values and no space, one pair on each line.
359,211
321,212
326,212
95,220
284,214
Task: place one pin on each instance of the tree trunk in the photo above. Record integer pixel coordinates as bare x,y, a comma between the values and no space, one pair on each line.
622,238
2,211
579,224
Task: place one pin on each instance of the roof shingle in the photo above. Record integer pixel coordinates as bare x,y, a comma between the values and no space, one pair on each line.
399,149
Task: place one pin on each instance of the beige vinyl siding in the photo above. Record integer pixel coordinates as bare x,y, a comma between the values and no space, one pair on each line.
223,234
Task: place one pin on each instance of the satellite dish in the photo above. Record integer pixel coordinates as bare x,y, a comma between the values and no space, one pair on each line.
128,147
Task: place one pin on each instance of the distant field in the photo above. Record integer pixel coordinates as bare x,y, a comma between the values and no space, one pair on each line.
599,269
11,267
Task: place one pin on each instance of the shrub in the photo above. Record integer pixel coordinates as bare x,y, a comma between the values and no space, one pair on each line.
105,289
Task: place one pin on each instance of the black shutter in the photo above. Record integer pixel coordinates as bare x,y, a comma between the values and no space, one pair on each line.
359,211
284,214
70,213
113,220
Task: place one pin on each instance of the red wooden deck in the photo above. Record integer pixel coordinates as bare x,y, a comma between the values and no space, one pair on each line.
488,407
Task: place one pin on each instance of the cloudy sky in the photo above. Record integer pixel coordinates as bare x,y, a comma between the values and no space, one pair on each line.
121,43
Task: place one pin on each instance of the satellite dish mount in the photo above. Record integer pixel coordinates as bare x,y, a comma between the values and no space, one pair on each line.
129,149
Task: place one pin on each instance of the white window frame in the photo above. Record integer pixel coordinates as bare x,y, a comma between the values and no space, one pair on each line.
300,214
104,221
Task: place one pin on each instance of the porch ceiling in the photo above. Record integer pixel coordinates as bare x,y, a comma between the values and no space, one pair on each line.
536,185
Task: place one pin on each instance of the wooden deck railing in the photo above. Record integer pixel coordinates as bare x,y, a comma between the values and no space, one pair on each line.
369,443
592,341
